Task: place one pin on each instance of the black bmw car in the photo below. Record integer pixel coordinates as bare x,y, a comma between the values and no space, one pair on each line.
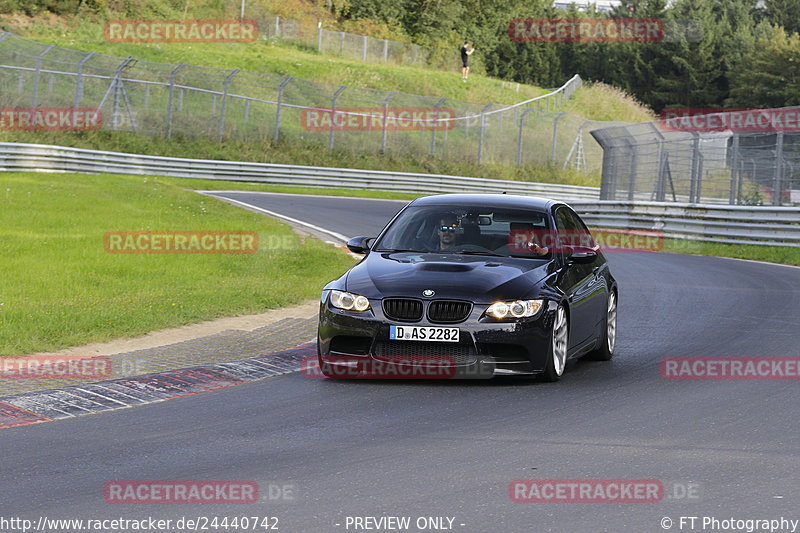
470,285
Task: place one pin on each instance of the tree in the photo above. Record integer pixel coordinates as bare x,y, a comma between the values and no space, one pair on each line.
784,13
769,75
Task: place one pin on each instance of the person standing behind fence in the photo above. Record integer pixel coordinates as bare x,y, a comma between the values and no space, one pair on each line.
466,51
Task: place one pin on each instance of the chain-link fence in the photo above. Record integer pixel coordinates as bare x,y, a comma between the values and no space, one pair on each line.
744,158
168,100
342,43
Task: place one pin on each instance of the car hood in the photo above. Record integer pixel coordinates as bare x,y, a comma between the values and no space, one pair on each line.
481,279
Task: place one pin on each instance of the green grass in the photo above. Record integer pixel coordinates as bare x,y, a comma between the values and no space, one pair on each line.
285,59
61,288
786,255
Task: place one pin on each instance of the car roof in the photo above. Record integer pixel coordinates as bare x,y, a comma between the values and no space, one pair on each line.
488,200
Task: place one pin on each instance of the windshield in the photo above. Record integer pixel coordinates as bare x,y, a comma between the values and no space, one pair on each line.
507,232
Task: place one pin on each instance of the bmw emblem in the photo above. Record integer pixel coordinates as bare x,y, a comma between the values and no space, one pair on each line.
428,293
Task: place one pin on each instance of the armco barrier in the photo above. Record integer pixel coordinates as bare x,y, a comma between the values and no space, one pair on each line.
38,157
717,223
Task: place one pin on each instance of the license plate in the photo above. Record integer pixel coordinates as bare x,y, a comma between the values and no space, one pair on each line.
423,333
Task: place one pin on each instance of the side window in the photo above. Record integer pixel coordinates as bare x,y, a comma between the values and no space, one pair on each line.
571,229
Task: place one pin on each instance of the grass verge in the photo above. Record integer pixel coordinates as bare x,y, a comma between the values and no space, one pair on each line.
61,288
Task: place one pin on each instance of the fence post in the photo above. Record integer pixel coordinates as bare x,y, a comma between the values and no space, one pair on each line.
172,97
385,119
39,59
339,91
555,131
740,182
482,132
632,170
734,167
777,181
221,126
280,103
519,137
79,80
319,37
385,50
364,48
341,43
435,124
695,163
277,26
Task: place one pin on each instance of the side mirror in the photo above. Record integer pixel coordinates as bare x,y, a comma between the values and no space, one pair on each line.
582,255
359,245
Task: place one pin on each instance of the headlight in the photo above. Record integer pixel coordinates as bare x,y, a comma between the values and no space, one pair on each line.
349,301
515,309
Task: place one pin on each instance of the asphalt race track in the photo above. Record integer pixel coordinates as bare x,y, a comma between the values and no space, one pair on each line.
450,449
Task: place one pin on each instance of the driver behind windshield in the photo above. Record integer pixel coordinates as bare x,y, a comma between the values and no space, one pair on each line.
448,224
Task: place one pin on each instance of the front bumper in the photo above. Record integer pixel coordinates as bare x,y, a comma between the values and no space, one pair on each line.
360,341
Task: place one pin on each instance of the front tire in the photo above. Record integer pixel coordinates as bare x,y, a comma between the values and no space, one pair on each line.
609,341
559,344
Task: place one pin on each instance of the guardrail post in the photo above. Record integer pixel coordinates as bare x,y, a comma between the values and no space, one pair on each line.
555,132
364,48
172,97
777,180
695,164
435,124
482,132
39,60
519,136
339,91
221,126
385,120
734,167
280,104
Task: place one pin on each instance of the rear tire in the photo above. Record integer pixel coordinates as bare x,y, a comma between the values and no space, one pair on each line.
559,344
606,350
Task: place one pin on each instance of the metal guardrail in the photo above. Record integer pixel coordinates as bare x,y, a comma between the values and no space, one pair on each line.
778,226
48,158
